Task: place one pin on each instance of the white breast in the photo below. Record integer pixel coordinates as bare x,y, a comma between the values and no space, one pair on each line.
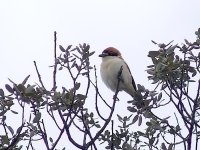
110,67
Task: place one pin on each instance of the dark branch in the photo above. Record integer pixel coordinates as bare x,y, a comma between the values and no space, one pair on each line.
55,62
39,76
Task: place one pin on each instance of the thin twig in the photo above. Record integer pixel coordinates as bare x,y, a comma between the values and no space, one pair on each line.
58,138
112,137
55,62
43,134
39,76
96,97
66,127
96,87
51,114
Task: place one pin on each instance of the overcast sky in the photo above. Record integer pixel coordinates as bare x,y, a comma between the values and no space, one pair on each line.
27,26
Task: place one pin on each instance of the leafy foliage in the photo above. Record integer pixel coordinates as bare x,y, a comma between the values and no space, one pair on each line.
174,71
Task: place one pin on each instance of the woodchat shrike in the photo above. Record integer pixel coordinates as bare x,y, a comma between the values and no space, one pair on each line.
112,61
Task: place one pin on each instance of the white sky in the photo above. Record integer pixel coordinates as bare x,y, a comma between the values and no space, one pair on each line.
27,26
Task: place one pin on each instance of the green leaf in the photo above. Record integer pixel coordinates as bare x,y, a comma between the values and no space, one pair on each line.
151,71
160,67
108,147
140,87
187,42
19,129
21,87
30,89
147,114
1,93
61,48
14,112
10,129
87,48
50,139
73,64
9,88
44,103
97,125
90,54
191,81
178,128
107,133
131,109
69,47
25,80
163,86
3,118
146,102
32,133
151,141
171,49
129,117
150,66
148,123
91,114
119,118
60,68
152,93
154,42
163,146
140,120
154,60
170,147
194,73
5,140
3,112
159,96
153,53
37,117
77,86
135,119
199,30
81,96
140,133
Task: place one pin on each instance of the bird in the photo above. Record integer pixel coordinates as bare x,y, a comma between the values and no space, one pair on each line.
111,63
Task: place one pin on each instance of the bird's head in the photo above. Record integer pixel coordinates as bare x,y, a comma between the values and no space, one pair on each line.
110,51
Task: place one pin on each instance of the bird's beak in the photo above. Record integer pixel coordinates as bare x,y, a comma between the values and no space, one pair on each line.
103,55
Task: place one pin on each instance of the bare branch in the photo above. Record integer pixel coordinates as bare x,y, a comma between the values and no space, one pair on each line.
39,76
55,62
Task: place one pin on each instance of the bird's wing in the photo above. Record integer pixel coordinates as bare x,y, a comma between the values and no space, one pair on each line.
133,82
